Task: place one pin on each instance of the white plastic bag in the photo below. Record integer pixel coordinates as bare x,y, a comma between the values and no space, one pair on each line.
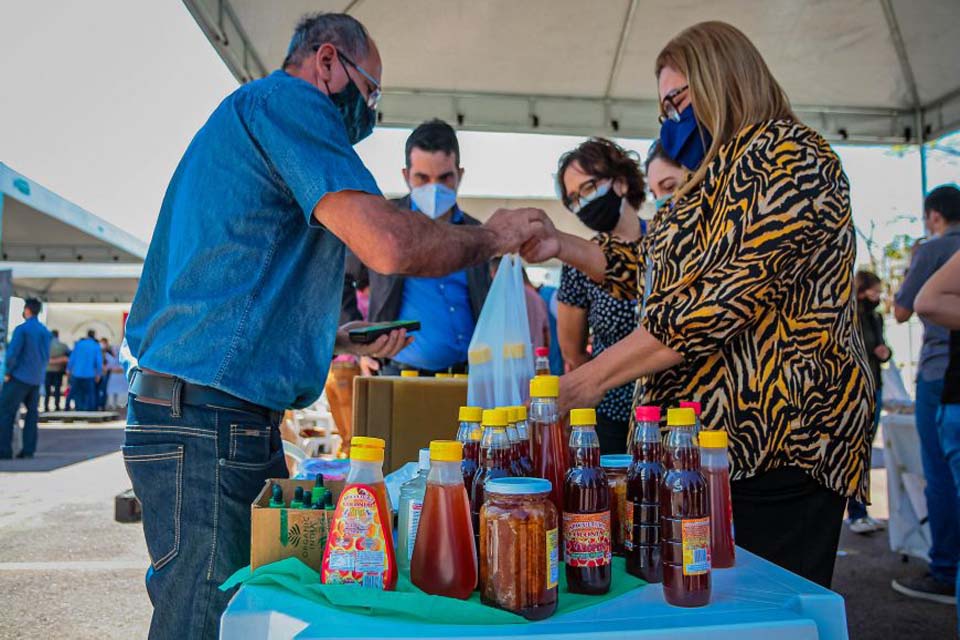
501,356
895,398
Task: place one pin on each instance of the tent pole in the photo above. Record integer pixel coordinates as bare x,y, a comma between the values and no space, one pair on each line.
923,152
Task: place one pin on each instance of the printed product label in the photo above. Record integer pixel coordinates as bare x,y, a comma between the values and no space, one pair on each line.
696,546
358,550
413,519
627,526
553,564
586,539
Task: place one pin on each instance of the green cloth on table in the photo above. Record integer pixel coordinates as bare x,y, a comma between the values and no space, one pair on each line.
407,601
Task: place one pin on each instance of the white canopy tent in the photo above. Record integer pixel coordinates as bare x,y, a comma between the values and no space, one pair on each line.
861,71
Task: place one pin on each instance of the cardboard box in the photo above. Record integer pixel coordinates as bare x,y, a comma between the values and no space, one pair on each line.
276,534
406,412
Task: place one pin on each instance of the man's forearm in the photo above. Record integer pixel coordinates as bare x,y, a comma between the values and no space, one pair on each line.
438,248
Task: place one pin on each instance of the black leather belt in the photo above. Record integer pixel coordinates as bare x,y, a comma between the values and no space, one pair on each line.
168,391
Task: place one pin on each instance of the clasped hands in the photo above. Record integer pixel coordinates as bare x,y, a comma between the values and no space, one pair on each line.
527,231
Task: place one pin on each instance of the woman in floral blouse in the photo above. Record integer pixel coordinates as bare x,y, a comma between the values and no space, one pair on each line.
750,305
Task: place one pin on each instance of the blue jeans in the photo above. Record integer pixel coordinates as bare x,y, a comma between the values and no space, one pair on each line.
13,394
943,505
196,476
855,508
83,391
949,425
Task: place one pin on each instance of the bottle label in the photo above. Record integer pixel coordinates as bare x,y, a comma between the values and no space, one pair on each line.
586,539
413,519
627,526
696,546
553,559
358,549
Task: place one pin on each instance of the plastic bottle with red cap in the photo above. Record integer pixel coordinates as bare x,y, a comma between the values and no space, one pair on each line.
541,364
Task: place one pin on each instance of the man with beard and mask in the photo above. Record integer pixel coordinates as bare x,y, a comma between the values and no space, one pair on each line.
447,307
235,317
602,185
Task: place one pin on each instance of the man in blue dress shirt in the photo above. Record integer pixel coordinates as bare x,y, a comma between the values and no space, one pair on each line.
446,307
84,369
26,366
235,318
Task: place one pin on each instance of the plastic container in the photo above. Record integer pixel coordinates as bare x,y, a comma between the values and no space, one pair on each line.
369,468
685,516
524,464
587,548
548,448
642,542
715,465
411,506
541,363
519,568
480,383
445,559
513,435
494,461
469,435
693,404
616,467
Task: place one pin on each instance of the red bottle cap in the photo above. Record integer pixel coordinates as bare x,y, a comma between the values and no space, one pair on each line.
648,414
690,404
542,352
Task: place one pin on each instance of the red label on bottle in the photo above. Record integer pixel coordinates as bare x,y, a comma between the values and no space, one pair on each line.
696,546
586,539
358,547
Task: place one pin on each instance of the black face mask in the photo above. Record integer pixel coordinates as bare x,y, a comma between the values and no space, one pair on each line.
869,305
602,214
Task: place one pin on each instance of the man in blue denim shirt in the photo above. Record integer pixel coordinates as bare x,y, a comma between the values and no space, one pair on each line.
235,318
26,365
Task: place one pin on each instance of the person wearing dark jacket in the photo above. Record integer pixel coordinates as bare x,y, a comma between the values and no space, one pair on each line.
869,288
446,307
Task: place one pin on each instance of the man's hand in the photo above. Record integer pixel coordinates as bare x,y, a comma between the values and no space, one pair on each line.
385,346
882,352
544,245
512,228
369,366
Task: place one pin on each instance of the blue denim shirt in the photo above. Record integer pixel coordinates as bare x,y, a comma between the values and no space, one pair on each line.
241,286
28,352
86,359
442,305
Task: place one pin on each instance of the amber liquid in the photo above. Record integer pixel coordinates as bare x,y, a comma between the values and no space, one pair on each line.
550,457
495,463
683,496
643,492
444,560
386,513
722,553
585,491
470,464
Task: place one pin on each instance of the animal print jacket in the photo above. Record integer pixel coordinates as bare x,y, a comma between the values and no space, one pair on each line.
753,286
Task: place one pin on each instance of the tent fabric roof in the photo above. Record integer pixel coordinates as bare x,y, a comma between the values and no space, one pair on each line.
858,70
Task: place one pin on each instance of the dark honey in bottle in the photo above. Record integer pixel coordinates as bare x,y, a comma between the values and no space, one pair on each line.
642,535
494,461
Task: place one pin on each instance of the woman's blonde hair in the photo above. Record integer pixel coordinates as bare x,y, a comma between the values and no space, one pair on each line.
730,85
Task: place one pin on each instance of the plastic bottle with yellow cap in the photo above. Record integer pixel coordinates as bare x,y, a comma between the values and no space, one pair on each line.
548,451
513,436
685,513
446,534
470,418
715,464
524,463
494,461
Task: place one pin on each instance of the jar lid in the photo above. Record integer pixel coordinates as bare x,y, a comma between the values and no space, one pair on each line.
518,486
616,461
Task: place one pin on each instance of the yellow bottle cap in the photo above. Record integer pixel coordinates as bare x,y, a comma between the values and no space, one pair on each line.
460,376
715,439
521,413
683,417
442,376
446,451
511,415
409,373
368,441
494,418
545,387
583,417
471,414
479,355
366,454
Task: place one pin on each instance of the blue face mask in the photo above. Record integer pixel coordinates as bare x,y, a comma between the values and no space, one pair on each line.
358,118
434,199
660,202
682,141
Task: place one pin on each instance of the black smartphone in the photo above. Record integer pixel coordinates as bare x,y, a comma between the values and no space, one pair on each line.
366,335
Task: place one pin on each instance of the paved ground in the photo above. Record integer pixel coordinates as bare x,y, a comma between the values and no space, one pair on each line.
68,570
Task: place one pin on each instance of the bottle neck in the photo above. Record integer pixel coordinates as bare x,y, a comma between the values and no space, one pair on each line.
543,410
584,446
714,458
445,473
365,472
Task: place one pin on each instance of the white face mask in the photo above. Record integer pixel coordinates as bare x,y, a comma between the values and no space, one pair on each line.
434,199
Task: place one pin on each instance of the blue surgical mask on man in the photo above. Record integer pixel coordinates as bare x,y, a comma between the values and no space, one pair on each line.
682,141
433,199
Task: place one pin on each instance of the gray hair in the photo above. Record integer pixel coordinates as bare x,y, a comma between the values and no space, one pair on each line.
339,29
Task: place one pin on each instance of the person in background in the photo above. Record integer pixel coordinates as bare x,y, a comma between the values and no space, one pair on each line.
53,383
105,376
869,288
939,302
751,309
548,293
538,316
663,175
26,362
447,307
85,368
941,214
601,183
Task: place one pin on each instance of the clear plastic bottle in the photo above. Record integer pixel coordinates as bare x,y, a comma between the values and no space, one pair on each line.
642,540
546,436
715,464
480,383
367,469
516,469
494,461
469,435
541,365
693,404
411,505
526,464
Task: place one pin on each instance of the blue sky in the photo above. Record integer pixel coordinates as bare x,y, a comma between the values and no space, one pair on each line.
100,99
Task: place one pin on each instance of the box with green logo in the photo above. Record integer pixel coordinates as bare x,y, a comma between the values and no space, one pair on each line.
277,533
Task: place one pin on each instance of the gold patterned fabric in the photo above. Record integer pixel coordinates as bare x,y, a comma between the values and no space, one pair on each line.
753,286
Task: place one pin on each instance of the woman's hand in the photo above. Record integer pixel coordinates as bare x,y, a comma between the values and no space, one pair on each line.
385,346
544,245
579,390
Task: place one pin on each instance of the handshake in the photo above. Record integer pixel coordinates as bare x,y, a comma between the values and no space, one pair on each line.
526,231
